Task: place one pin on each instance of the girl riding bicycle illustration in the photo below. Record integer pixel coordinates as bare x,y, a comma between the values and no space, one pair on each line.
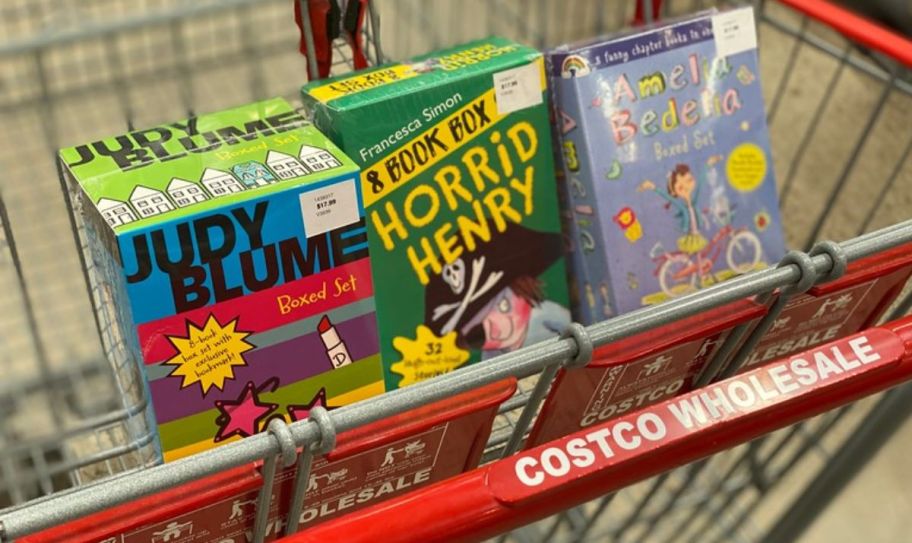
679,271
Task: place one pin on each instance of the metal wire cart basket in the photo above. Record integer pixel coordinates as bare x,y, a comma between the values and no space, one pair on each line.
72,438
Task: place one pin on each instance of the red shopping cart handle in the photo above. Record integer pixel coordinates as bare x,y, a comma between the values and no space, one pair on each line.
639,16
326,23
856,27
607,457
352,23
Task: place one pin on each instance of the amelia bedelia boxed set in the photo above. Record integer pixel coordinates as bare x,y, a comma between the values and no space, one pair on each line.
667,173
460,201
228,252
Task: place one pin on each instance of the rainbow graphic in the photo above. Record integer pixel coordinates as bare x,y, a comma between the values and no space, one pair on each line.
574,66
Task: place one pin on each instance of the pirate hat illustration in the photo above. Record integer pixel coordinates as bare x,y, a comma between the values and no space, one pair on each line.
455,296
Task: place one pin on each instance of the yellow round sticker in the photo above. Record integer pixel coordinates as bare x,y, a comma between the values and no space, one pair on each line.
427,356
746,167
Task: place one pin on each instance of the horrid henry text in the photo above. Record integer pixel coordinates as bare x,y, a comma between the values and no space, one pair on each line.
487,191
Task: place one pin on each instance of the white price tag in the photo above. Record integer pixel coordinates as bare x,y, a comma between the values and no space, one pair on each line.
517,88
328,208
734,31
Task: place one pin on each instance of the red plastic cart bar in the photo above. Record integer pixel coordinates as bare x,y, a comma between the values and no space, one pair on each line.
602,459
859,29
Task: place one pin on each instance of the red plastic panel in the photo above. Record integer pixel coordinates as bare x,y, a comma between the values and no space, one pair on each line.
637,372
369,465
851,303
857,28
607,457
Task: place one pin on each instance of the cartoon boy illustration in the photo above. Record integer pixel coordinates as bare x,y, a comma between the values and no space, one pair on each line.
683,194
493,297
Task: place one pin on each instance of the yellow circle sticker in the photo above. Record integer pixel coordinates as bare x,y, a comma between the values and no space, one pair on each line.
427,356
746,167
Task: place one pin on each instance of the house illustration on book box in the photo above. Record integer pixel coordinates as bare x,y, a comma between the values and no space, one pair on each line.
220,183
253,174
285,166
185,193
317,159
115,212
149,202
151,233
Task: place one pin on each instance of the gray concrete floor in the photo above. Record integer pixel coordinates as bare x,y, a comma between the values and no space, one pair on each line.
877,505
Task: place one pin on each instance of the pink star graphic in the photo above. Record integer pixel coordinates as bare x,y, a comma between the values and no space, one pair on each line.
243,416
301,412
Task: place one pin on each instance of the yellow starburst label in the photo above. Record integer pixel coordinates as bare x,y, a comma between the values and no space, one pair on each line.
208,355
427,356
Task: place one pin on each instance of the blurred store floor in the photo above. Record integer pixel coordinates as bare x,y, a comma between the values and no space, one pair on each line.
877,505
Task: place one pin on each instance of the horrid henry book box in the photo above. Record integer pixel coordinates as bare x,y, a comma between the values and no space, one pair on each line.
228,253
668,178
460,200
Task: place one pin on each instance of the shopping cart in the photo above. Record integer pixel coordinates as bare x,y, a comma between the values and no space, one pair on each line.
838,95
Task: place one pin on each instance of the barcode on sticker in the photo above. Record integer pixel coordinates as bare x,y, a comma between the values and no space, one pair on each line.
734,31
517,88
328,208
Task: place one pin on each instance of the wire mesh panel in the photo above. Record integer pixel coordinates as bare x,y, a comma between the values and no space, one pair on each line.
841,128
75,72
61,425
